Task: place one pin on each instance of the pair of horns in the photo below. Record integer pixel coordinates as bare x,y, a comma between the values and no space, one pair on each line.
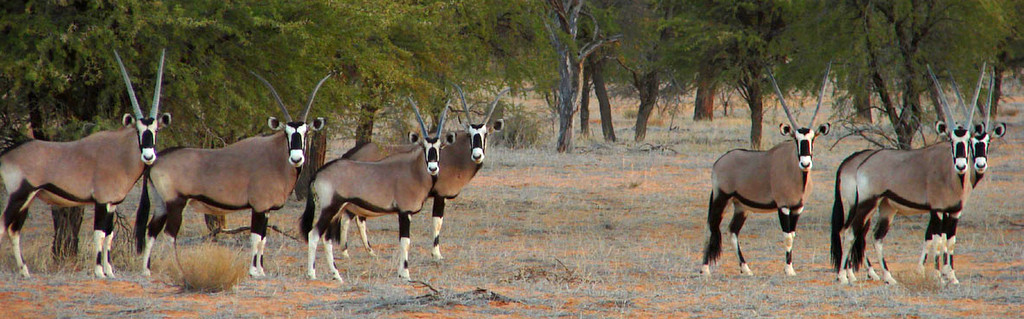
963,106
465,107
288,116
155,109
423,127
792,122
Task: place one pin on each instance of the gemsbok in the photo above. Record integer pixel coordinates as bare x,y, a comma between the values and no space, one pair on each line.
256,173
777,180
99,169
462,159
932,180
398,184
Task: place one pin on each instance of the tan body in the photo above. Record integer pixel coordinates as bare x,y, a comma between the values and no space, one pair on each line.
459,170
250,174
99,169
762,181
895,182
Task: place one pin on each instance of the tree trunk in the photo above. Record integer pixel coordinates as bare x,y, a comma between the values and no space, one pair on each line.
568,71
66,224
648,88
704,104
316,153
585,103
605,106
753,96
997,91
364,129
862,105
215,222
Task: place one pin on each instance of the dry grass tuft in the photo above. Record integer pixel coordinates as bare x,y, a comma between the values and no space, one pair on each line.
561,274
916,281
204,268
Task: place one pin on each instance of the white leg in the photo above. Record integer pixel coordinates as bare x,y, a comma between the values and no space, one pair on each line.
254,241
924,255
361,225
263,248
108,269
788,240
843,274
344,234
329,249
146,256
436,251
403,266
16,241
314,238
744,269
886,275
97,243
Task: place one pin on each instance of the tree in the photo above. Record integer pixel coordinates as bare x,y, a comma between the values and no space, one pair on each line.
739,38
563,31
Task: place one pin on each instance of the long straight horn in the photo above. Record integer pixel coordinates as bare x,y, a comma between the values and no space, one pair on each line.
287,117
942,98
781,100
309,105
977,92
444,115
155,110
495,104
465,107
423,127
128,83
824,82
988,105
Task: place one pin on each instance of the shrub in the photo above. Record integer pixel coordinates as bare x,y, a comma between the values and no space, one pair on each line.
522,128
204,268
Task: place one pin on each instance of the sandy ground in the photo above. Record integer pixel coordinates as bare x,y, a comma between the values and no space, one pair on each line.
609,230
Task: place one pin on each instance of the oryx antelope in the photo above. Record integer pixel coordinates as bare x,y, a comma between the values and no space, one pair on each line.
398,184
462,157
932,180
777,180
99,169
257,173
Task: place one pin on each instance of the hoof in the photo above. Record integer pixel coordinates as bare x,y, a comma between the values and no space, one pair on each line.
146,273
338,279
790,271
25,273
746,270
344,253
372,253
98,272
404,275
850,275
841,277
705,270
254,272
873,275
311,275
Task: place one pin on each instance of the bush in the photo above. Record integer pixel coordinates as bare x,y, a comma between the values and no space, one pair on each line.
522,128
204,268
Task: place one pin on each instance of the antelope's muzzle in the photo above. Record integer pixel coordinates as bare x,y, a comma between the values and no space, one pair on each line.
148,156
980,164
148,147
296,157
478,155
806,163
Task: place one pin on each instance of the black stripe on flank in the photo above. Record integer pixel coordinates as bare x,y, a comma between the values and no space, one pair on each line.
209,201
750,203
53,189
905,202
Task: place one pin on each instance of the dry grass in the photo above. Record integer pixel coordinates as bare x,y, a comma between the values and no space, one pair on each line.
608,230
203,268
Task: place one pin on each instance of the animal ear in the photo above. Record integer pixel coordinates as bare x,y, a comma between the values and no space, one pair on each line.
785,129
824,128
449,138
319,123
498,125
940,127
165,119
127,119
999,130
413,137
274,123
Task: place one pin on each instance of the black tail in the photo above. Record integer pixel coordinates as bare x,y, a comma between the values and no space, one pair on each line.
334,231
859,244
306,224
142,215
838,219
716,206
